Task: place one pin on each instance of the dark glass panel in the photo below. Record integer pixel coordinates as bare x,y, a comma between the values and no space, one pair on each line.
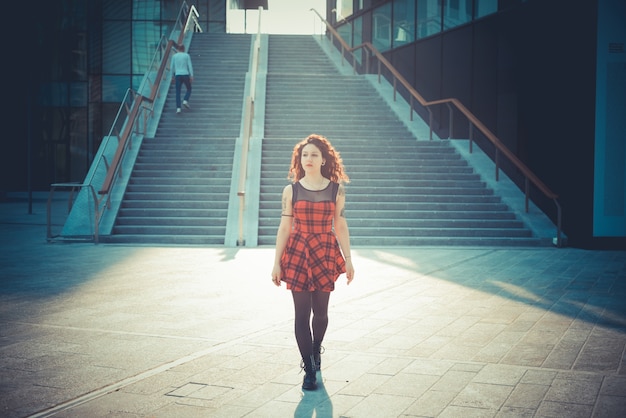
116,48
485,7
456,12
114,87
381,31
403,22
146,37
79,159
147,9
78,94
116,9
53,94
428,17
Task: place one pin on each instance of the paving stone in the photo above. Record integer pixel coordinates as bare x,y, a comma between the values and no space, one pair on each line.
561,409
512,412
364,385
499,375
610,406
483,396
526,396
431,403
407,384
539,377
453,381
573,391
455,411
380,405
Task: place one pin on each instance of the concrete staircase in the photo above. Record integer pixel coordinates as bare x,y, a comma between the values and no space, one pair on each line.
178,191
403,191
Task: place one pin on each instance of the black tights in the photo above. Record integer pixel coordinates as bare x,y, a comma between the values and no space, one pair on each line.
308,330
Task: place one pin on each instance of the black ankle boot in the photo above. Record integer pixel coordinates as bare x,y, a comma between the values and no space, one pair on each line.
310,381
317,351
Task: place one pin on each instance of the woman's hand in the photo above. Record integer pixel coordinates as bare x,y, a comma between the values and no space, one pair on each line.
349,270
276,275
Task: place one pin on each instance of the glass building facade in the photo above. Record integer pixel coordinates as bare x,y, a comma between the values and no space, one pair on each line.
83,56
399,22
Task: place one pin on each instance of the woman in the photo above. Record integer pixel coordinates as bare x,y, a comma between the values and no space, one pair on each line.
309,255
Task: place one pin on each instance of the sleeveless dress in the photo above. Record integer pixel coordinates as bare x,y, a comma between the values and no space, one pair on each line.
312,259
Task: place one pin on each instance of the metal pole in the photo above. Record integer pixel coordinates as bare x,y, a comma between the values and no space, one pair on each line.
28,149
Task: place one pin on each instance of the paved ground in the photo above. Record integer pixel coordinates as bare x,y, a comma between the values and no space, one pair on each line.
126,331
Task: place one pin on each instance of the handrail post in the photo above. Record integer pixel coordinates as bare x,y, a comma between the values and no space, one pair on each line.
248,119
243,169
49,214
559,242
97,214
471,136
526,193
497,161
450,120
430,123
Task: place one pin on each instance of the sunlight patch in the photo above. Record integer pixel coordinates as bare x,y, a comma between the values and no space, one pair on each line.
517,291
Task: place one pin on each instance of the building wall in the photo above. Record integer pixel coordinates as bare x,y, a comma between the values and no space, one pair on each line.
610,146
527,70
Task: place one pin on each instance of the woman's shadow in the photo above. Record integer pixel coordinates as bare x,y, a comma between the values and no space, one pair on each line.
315,403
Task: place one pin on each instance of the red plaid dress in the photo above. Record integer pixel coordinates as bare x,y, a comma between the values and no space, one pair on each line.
312,259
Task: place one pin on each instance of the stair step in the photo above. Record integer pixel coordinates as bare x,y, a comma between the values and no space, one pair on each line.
175,204
178,195
122,237
160,212
272,215
171,189
188,171
170,230
157,222
188,181
383,241
361,224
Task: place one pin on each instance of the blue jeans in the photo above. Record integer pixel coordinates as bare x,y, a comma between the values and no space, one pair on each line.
180,80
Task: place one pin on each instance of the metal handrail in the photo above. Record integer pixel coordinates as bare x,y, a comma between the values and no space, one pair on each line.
248,119
474,122
151,83
140,106
138,103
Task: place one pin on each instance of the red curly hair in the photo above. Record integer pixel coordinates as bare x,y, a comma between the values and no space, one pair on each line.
332,169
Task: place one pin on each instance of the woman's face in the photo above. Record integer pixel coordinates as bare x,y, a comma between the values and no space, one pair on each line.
311,159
